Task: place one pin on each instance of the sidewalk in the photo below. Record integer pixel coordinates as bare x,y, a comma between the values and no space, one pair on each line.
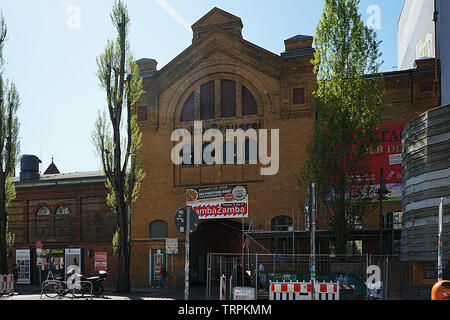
137,293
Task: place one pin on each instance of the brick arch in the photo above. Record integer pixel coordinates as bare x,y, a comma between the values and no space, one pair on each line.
258,88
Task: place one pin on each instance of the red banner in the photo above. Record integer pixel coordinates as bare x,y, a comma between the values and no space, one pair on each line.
388,153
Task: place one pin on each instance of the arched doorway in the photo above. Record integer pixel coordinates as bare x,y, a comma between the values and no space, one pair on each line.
218,236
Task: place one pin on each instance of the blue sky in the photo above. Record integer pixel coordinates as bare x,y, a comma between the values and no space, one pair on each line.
53,44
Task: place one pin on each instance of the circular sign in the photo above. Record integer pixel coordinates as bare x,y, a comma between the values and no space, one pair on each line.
180,219
239,192
39,245
228,196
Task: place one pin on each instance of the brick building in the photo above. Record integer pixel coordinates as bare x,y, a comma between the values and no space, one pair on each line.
228,82
67,214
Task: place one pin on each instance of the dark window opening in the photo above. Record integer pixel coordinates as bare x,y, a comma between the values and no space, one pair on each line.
281,245
251,151
187,113
207,101
426,86
298,96
229,153
249,107
187,155
228,98
158,229
142,113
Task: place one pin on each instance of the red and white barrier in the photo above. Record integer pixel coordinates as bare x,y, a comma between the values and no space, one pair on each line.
223,287
350,287
303,291
6,283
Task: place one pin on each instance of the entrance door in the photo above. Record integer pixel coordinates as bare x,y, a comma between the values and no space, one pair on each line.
157,259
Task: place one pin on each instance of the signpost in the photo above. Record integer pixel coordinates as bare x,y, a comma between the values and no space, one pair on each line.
186,221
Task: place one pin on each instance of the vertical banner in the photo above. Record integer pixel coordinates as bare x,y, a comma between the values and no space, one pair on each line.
100,261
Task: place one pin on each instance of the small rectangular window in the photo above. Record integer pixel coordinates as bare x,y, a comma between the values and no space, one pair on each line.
298,96
142,113
426,86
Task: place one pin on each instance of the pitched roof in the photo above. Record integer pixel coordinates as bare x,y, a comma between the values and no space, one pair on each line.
52,169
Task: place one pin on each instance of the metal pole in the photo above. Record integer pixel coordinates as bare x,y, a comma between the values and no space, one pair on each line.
440,271
313,241
186,258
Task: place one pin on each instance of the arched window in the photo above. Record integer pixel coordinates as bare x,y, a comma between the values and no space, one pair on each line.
228,98
158,229
187,113
207,101
227,90
62,210
43,211
249,107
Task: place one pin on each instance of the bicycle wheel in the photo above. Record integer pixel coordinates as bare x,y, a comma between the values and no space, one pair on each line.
51,290
78,292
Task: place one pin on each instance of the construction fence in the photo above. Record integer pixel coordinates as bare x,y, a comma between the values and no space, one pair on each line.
360,276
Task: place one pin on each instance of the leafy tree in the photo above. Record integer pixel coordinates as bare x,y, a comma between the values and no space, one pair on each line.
118,143
9,149
350,97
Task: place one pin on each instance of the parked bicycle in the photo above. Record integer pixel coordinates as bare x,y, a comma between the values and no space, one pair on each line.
56,287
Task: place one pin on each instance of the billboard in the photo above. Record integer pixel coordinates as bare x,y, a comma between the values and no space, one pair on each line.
219,202
387,154
415,34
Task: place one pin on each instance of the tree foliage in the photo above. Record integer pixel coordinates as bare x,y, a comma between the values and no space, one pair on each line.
350,93
9,149
117,137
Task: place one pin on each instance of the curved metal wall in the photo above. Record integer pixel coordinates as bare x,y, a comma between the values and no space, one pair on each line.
425,179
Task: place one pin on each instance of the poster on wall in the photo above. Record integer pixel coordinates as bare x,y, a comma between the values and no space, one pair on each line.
72,257
219,202
23,264
388,153
100,261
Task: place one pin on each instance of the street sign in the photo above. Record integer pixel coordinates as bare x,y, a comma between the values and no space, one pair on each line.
180,219
39,245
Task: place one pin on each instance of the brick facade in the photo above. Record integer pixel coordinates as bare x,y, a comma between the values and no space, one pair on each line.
218,52
88,225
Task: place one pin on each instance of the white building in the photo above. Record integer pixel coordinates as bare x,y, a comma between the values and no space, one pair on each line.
417,38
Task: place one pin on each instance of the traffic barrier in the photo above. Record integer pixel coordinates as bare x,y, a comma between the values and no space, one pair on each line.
303,291
6,283
223,287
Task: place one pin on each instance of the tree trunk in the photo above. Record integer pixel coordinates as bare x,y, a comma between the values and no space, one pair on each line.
3,243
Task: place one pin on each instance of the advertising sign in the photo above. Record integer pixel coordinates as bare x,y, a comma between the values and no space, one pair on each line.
172,246
219,202
388,153
23,264
100,261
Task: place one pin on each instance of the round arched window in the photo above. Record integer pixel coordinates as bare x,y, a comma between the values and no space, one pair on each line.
43,211
62,210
